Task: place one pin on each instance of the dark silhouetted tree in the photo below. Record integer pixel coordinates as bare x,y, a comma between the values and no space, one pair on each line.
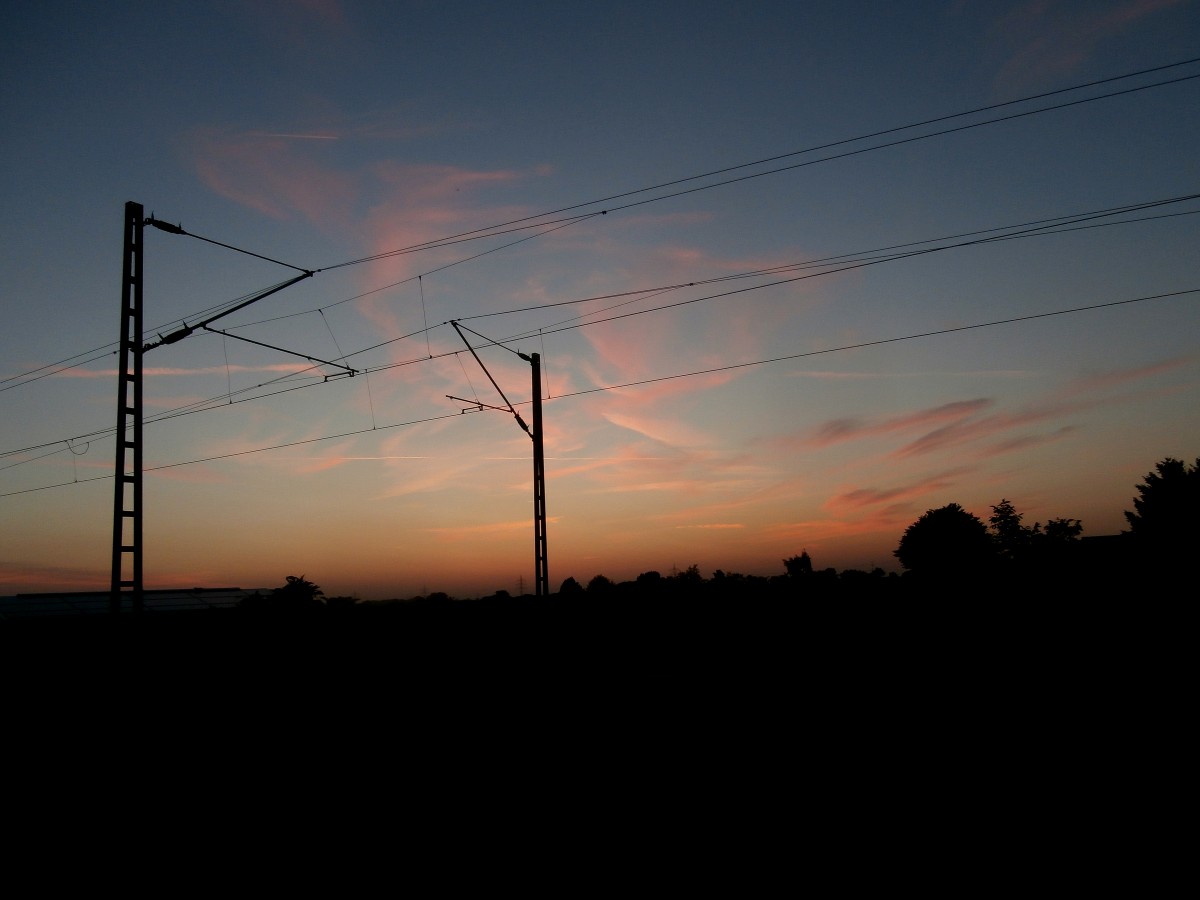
341,603
1063,531
1166,512
570,588
299,592
949,542
600,584
296,596
1031,553
1013,539
799,566
1018,542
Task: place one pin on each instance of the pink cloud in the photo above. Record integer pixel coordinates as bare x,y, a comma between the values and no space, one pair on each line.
964,431
670,432
955,424
1126,376
276,176
334,457
839,430
895,498
417,204
632,348
1024,442
286,174
817,533
1053,38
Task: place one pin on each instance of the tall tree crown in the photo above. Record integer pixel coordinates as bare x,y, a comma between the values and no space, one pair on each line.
1167,508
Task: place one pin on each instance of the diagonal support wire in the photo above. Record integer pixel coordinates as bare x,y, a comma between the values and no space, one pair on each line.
238,337
511,409
542,576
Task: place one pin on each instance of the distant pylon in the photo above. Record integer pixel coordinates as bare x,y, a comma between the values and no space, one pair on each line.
542,578
126,581
542,588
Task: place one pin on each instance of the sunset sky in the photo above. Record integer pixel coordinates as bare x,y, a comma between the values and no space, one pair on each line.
742,360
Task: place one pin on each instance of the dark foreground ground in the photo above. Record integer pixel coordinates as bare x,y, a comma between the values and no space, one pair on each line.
847,638
934,743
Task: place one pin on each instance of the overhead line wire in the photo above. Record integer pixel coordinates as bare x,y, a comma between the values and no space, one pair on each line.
907,337
492,230
858,264
646,381
432,271
179,229
1032,228
488,230
191,462
898,143
103,350
1048,222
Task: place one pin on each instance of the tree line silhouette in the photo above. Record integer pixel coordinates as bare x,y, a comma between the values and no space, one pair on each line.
947,552
957,569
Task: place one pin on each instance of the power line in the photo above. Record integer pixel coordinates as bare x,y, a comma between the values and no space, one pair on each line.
880,342
104,350
418,277
492,232
859,264
229,305
896,143
55,368
237,453
178,229
492,229
646,381
1044,224
859,259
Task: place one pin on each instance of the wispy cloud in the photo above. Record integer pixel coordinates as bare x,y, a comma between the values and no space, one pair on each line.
965,430
845,429
276,176
856,499
1106,380
295,137
1025,442
460,532
159,371
671,433
953,425
1052,38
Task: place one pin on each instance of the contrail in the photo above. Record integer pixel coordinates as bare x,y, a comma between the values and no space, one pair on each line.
302,137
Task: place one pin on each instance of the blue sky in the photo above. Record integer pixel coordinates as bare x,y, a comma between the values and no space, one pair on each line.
317,133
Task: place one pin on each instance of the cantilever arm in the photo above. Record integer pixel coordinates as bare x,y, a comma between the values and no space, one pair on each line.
188,330
238,337
516,415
